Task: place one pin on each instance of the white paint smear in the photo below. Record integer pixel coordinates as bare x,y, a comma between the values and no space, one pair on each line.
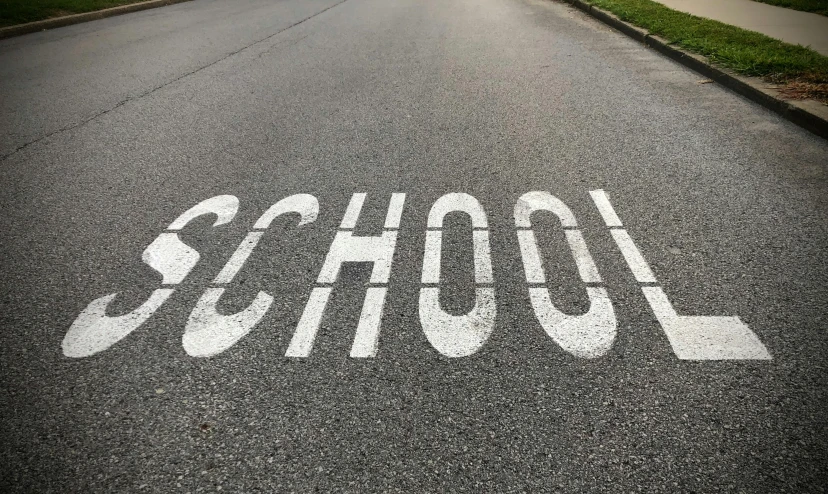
457,336
224,207
589,335
602,202
209,333
638,266
366,339
93,331
302,341
705,337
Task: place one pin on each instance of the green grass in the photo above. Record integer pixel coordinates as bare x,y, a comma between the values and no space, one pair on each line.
745,52
20,11
815,6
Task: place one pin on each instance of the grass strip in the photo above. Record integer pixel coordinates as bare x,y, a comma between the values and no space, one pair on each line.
21,11
815,6
745,52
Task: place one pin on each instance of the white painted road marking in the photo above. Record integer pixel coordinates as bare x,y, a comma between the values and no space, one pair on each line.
589,335
457,201
209,333
639,267
395,209
171,257
239,257
463,335
692,337
601,200
352,213
366,338
302,342
346,247
349,248
705,337
224,207
93,331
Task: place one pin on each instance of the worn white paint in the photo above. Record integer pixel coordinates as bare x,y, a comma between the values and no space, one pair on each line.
431,257
583,260
602,202
349,248
457,336
462,335
366,339
302,341
239,257
482,257
224,207
457,201
93,331
705,337
588,335
351,216
639,267
209,333
171,257
542,201
305,204
367,333
395,209
532,262
346,247
691,337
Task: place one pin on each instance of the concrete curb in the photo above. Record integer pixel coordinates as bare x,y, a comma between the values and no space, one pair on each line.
808,114
33,27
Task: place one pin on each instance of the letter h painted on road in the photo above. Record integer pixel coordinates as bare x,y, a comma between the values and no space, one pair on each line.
347,247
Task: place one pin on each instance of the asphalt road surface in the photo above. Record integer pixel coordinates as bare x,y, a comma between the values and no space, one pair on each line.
510,250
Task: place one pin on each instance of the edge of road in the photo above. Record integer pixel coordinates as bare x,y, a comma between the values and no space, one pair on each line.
808,114
33,27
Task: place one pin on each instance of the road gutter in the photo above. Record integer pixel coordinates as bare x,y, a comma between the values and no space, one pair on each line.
808,114
33,27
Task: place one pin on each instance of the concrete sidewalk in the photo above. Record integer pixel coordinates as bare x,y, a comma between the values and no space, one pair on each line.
791,26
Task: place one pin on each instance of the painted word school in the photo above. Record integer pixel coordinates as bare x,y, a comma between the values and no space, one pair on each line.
588,335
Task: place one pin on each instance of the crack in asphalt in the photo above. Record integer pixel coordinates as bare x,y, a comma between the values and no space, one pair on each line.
151,91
